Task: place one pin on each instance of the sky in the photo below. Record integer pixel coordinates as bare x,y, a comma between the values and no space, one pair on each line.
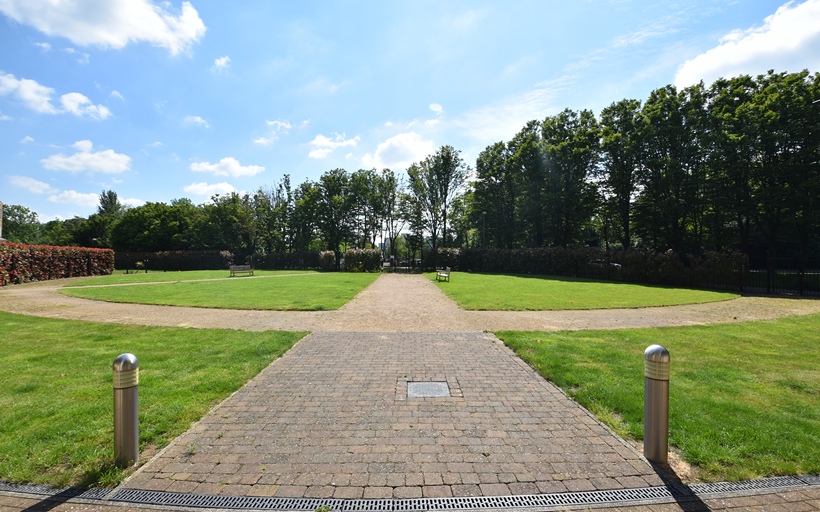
159,100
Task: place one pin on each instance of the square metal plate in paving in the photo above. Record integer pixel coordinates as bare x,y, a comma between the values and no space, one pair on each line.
428,390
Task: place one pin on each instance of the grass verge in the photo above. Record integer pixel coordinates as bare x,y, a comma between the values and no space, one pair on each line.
744,398
56,405
303,292
508,292
133,277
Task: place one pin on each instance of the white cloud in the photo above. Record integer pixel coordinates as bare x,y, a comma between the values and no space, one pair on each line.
278,127
26,139
38,98
80,105
399,151
221,64
35,96
132,202
204,189
32,185
196,120
323,146
74,197
111,23
789,40
227,167
4,117
82,57
116,94
438,109
46,47
84,159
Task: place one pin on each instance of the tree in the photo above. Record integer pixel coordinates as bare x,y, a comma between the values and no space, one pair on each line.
435,182
334,210
621,149
495,197
571,142
529,162
20,224
391,188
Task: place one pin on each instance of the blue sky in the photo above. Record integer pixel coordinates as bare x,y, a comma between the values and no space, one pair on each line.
162,100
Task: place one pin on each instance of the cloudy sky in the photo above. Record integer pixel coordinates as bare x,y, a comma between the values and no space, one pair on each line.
158,100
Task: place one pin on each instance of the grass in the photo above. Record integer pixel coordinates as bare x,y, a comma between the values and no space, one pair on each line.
744,398
120,277
506,292
56,405
303,292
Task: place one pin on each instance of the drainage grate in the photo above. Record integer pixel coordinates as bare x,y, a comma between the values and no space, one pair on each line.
766,484
544,501
95,493
428,390
412,505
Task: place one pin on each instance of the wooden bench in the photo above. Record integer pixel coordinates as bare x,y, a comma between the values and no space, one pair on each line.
443,274
241,269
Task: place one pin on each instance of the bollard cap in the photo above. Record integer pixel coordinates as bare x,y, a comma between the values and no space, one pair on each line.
126,371
656,362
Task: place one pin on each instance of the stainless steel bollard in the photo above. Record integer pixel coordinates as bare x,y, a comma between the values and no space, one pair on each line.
656,404
126,410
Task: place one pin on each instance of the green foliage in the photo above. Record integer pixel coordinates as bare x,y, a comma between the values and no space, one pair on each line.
56,411
20,224
327,261
742,405
363,260
21,263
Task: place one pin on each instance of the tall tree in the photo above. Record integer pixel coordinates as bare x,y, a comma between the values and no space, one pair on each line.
621,149
334,210
496,193
529,162
571,142
20,224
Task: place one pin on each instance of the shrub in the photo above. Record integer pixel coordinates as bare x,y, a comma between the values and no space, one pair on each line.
327,261
175,260
291,260
363,260
22,263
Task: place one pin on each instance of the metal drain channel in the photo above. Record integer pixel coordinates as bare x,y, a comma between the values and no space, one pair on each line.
405,505
545,501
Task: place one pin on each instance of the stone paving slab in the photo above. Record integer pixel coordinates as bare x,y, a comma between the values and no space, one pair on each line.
331,419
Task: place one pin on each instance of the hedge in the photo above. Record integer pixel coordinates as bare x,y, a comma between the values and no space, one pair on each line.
174,260
363,260
712,270
22,263
300,260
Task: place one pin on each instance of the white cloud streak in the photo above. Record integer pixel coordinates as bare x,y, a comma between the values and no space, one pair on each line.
323,146
107,162
111,23
205,189
196,120
227,167
278,128
221,64
74,197
32,185
788,40
399,151
37,97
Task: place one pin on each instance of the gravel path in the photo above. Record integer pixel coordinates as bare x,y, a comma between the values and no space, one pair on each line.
394,303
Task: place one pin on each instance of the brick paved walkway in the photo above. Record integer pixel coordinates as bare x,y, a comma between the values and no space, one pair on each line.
331,419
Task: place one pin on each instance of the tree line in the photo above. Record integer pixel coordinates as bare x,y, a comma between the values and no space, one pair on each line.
728,167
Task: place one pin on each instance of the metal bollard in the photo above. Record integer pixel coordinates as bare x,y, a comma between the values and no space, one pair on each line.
126,410
656,404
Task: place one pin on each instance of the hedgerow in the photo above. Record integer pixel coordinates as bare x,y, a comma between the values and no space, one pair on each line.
22,263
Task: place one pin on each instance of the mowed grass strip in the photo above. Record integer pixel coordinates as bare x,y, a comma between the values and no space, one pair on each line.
305,292
744,397
138,277
56,394
513,292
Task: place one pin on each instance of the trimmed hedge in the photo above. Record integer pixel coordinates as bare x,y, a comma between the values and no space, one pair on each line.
363,260
22,263
327,261
712,270
175,260
302,260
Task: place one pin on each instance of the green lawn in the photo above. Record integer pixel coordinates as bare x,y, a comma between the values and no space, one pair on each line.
307,292
120,277
507,292
56,396
744,398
